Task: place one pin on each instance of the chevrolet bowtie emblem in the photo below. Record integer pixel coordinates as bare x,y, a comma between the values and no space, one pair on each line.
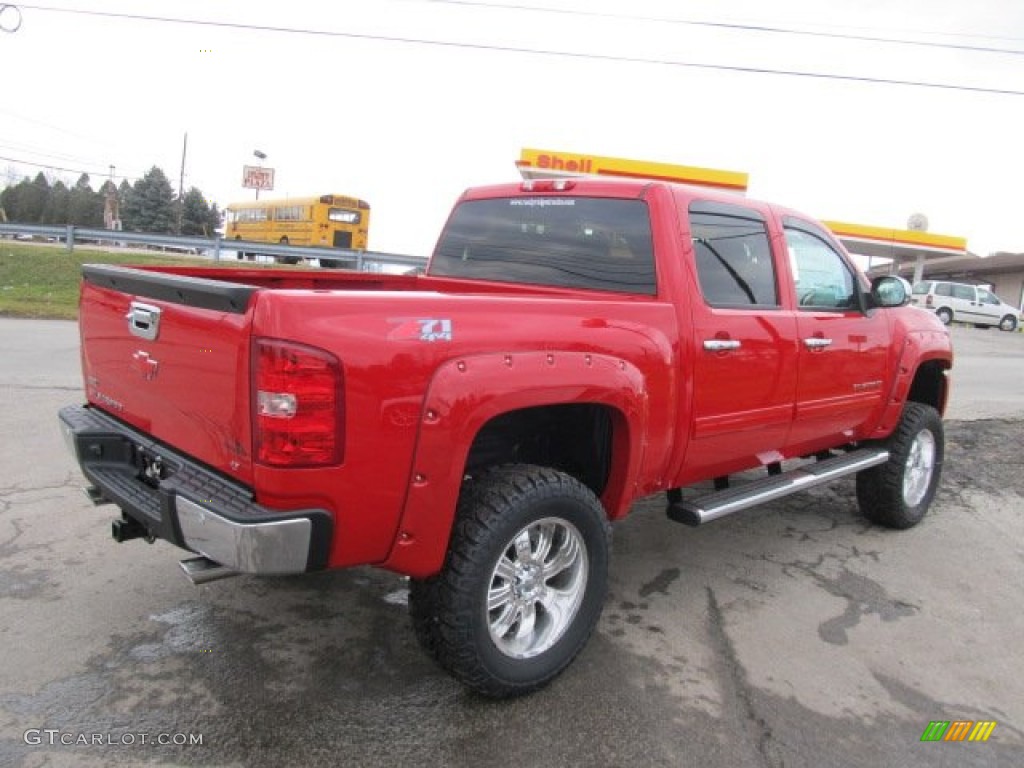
145,365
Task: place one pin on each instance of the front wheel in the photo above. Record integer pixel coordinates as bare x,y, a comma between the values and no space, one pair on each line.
523,584
898,493
1008,323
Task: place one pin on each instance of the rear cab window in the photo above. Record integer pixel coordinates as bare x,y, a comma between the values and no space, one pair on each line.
733,256
594,243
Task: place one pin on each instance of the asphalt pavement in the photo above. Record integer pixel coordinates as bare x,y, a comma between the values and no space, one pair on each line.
794,634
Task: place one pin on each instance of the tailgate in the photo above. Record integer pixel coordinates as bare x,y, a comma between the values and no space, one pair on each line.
169,355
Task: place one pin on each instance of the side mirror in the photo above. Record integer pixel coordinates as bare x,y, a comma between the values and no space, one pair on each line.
890,291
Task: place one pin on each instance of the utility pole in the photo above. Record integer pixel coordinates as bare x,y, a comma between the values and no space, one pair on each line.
261,156
181,185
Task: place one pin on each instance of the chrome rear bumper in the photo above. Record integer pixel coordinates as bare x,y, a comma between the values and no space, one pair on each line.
189,505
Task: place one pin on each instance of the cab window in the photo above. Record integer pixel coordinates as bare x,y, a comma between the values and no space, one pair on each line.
734,259
821,276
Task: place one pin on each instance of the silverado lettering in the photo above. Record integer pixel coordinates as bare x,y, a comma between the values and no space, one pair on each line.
573,346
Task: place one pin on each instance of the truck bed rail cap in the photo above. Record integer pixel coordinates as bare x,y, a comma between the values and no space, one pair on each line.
179,289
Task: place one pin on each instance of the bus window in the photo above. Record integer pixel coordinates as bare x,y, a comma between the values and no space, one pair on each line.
343,215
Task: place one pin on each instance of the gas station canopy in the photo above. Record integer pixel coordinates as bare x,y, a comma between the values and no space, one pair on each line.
546,164
899,245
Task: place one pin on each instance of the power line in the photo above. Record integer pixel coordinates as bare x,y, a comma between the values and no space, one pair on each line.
735,26
536,51
64,170
59,156
52,127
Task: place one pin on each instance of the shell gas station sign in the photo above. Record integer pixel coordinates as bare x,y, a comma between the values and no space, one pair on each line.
543,163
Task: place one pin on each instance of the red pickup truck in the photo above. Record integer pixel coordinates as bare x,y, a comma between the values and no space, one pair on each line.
573,346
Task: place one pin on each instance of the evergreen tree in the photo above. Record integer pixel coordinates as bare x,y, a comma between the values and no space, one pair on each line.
56,210
30,200
124,194
8,201
85,207
150,206
198,218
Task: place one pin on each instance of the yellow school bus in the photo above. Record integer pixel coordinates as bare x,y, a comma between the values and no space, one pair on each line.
336,221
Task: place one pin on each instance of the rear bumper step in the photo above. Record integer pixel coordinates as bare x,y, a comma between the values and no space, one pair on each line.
201,570
189,505
704,509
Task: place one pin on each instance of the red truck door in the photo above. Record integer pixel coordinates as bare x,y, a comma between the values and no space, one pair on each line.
745,351
843,351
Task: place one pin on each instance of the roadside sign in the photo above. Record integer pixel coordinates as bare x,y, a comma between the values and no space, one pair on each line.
257,177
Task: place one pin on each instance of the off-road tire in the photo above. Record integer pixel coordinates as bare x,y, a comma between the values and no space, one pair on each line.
450,613
897,494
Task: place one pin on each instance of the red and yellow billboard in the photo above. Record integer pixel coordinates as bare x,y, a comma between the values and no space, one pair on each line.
537,163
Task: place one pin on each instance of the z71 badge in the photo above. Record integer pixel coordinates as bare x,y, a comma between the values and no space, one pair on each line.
423,330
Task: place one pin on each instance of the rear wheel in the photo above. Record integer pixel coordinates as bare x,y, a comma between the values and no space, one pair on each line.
523,584
1008,323
897,494
945,315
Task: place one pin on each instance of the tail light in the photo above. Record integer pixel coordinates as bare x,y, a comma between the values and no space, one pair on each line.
298,405
547,185
928,300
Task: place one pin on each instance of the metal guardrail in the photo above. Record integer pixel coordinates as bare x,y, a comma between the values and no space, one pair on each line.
344,258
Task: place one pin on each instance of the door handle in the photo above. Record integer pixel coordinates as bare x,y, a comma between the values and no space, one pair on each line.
143,320
816,343
721,345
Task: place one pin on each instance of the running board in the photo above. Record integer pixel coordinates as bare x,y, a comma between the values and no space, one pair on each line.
712,506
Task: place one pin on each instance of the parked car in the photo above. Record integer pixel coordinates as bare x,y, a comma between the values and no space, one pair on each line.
966,304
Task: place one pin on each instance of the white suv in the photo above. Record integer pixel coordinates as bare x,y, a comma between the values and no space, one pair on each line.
965,304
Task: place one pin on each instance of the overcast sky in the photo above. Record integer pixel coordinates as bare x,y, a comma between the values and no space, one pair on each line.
407,125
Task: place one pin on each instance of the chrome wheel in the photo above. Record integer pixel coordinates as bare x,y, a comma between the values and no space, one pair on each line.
920,465
523,583
536,588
